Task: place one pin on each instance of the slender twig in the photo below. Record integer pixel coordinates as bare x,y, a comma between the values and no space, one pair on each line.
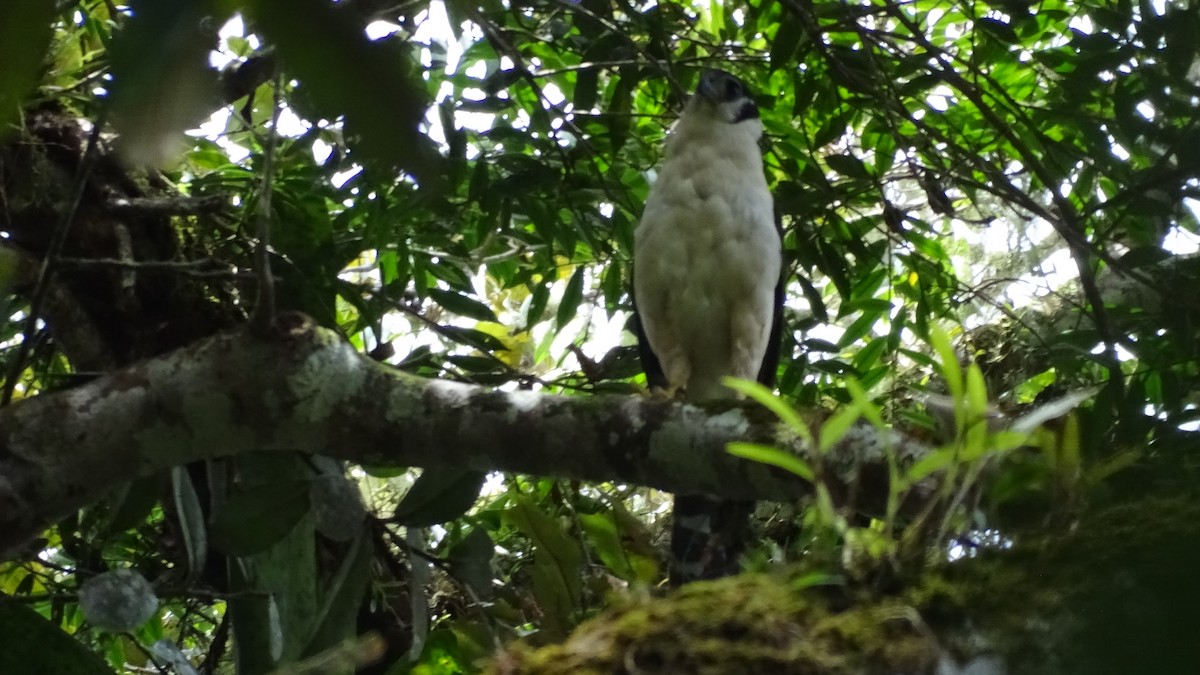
205,595
166,206
216,648
206,267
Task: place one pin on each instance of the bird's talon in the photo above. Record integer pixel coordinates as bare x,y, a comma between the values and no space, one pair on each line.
664,393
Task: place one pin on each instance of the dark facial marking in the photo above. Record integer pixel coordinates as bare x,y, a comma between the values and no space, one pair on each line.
748,111
733,89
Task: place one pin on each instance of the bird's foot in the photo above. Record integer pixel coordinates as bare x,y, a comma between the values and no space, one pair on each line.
665,393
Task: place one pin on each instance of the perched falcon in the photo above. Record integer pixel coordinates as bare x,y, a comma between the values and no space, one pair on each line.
707,286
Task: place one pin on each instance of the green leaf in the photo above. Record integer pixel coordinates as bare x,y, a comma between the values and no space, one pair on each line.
620,104
864,404
931,462
869,356
832,366
539,296
29,643
951,371
1111,465
586,89
998,29
25,33
1053,410
341,597
449,272
861,326
1028,391
572,296
557,564
614,289
787,40
770,401
447,652
876,306
470,561
604,533
191,521
462,305
477,189
439,495
765,454
977,398
816,303
380,471
813,579
819,345
835,428
848,165
134,503
478,339
254,519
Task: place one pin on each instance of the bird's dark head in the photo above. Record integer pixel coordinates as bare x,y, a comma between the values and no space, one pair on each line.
726,96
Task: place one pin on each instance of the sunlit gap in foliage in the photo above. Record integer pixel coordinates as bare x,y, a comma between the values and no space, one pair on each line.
1123,354
1179,240
434,32
1193,425
235,45
440,47
970,544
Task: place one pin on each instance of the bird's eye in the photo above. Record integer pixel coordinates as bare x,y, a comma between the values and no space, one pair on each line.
732,90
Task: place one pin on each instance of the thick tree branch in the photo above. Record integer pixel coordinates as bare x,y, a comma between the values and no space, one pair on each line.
305,390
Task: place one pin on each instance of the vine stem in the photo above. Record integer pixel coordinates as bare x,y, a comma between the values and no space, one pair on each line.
264,306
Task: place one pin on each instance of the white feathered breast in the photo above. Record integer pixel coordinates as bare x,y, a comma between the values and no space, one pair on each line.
707,256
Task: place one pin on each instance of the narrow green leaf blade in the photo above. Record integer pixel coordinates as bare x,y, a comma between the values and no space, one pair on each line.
763,396
766,454
835,428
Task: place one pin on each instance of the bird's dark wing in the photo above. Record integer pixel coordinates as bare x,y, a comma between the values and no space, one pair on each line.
655,377
770,364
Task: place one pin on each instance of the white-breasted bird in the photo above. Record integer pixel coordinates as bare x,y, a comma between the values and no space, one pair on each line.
707,288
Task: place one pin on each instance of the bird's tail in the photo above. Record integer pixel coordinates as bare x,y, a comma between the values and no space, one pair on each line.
708,536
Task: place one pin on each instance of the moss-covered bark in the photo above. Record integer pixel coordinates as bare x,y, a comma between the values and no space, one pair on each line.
1119,593
748,624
